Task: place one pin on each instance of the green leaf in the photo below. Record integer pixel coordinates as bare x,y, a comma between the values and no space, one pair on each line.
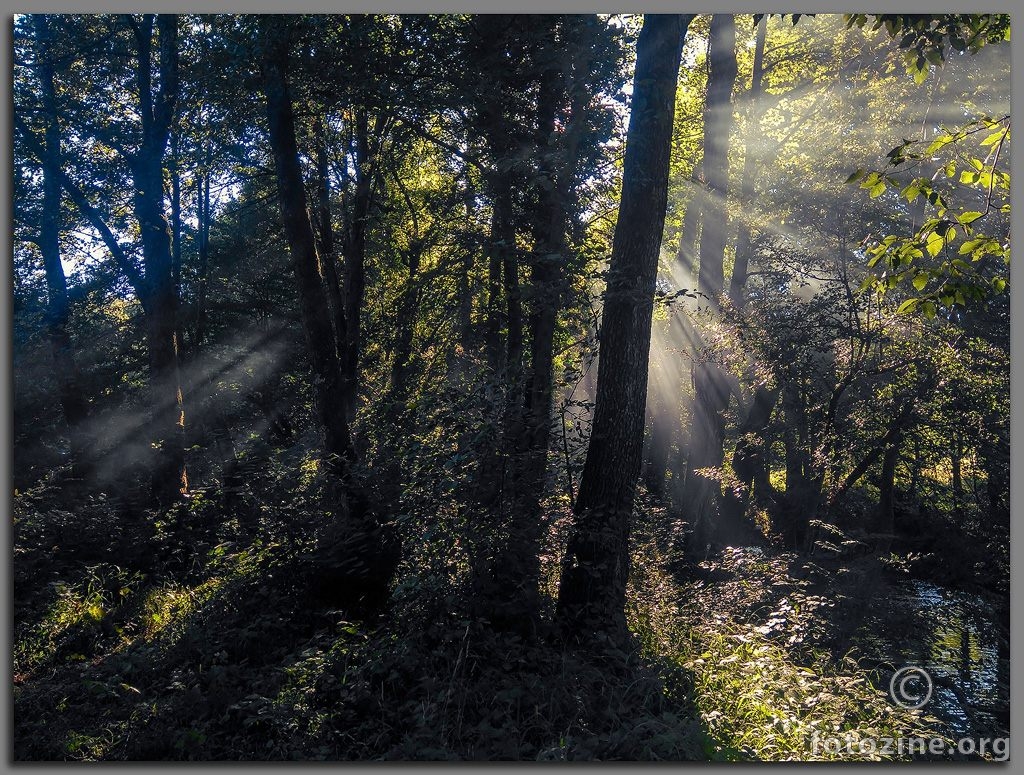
877,190
969,217
998,284
856,175
921,281
993,138
934,244
939,142
928,307
908,306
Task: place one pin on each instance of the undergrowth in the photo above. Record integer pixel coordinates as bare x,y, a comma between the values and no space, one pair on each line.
758,699
216,651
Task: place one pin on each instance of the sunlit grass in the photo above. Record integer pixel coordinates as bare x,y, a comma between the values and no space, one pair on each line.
77,607
755,700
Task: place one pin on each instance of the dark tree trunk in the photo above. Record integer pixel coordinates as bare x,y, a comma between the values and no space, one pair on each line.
316,317
407,310
169,480
517,574
711,391
492,336
355,261
797,505
465,278
717,127
175,215
72,398
750,164
357,563
328,257
506,247
748,461
203,208
595,569
884,519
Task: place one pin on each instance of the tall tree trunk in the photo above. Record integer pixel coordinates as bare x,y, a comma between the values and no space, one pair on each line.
510,280
595,569
355,260
328,259
711,391
358,568
517,574
66,373
407,309
750,165
170,478
718,124
316,317
203,208
175,214
884,520
465,314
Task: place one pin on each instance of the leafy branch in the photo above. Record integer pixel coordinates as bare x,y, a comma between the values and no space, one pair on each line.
957,278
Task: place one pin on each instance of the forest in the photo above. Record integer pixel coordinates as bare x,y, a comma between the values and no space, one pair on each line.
544,387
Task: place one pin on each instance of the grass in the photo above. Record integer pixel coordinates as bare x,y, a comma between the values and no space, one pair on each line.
756,698
226,659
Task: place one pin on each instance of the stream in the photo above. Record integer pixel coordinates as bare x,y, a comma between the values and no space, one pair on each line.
960,639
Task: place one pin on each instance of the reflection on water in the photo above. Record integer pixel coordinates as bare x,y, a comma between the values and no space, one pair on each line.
959,638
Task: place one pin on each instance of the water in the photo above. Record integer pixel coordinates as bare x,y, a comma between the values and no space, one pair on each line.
960,639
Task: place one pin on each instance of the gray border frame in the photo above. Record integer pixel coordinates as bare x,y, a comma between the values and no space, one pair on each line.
456,6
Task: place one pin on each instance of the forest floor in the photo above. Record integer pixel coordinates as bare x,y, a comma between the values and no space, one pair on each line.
180,637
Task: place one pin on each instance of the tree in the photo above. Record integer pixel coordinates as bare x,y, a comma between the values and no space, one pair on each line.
362,565
137,150
711,387
73,401
592,591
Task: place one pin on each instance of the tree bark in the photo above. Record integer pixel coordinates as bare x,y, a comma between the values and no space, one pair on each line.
355,261
328,259
711,392
357,563
72,398
595,569
885,518
316,317
738,280
204,215
169,479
